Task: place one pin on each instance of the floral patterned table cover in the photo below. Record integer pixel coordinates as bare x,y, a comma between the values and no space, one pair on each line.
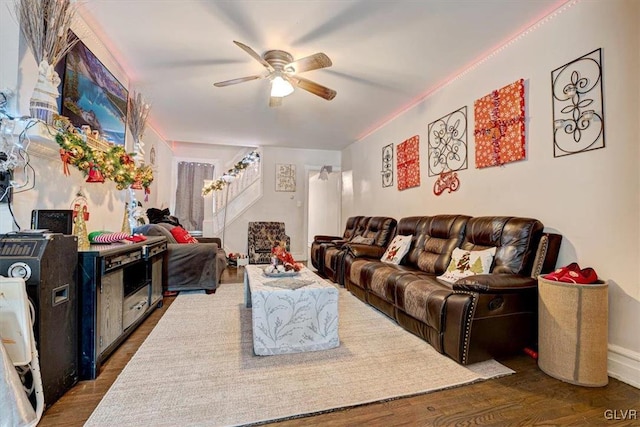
291,320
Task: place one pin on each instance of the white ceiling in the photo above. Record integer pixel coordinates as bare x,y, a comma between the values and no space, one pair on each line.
387,54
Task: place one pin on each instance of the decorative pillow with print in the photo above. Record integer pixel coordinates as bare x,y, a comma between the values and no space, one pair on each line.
397,249
362,240
182,236
467,263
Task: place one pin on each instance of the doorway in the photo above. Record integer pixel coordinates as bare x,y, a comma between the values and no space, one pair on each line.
323,204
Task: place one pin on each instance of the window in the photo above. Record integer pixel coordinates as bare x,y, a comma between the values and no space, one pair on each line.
189,200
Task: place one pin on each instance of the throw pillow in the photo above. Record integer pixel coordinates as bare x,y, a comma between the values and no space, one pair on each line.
362,240
467,263
182,236
397,249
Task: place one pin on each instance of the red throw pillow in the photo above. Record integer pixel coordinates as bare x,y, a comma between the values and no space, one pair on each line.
182,236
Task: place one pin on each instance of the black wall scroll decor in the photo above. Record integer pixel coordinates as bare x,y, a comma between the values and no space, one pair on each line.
578,114
448,143
387,166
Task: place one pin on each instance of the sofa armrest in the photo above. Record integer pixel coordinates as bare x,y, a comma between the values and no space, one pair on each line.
192,266
324,238
358,250
215,240
495,283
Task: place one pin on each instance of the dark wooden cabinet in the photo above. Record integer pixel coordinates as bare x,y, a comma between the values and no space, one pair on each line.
119,285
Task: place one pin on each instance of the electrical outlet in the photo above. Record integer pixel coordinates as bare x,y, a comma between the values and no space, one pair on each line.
5,183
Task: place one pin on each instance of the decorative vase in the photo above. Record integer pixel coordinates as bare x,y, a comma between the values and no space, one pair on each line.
43,104
139,150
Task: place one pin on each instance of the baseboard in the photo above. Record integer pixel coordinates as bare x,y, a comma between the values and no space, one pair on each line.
624,365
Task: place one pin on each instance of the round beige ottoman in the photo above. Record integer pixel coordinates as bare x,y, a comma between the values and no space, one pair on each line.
572,331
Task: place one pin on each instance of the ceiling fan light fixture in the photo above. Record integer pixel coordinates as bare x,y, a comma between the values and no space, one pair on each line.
280,87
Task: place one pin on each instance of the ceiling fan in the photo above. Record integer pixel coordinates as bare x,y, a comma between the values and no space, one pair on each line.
283,72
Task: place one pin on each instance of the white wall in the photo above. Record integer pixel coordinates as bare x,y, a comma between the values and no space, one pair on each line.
287,207
53,190
591,198
273,206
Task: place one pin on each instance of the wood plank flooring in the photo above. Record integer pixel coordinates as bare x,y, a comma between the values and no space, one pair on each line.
527,398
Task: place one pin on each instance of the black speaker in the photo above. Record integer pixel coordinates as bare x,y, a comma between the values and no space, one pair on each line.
54,220
48,263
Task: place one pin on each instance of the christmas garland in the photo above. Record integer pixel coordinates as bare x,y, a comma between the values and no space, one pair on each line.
114,163
220,183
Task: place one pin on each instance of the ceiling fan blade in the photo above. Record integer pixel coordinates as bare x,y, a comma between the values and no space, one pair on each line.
313,62
314,88
275,101
254,55
236,81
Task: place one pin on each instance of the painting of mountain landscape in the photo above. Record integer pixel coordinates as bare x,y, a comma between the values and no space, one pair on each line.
92,96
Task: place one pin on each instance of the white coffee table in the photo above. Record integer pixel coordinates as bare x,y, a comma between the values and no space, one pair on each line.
288,320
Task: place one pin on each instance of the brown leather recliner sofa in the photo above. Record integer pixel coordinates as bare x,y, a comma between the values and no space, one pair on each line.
375,232
475,318
321,242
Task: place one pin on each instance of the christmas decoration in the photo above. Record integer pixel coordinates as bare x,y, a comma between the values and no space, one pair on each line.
220,183
499,126
409,163
126,227
105,162
80,215
285,257
446,180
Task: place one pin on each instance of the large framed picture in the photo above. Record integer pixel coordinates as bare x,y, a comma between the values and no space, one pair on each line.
92,96
285,177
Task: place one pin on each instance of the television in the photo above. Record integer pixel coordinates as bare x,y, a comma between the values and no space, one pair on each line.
92,96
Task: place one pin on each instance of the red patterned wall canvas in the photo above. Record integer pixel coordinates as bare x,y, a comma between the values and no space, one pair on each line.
499,127
409,163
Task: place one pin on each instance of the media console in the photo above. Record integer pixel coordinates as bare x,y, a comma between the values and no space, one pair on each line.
119,285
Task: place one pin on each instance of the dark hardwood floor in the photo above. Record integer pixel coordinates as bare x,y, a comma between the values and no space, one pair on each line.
527,398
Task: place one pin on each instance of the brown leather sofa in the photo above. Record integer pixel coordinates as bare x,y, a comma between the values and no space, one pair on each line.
321,242
476,318
377,231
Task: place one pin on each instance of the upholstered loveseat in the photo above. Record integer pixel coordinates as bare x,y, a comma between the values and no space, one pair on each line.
190,266
474,318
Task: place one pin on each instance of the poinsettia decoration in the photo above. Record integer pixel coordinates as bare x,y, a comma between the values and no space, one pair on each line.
285,257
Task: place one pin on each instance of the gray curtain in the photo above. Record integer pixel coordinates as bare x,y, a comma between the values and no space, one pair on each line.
189,200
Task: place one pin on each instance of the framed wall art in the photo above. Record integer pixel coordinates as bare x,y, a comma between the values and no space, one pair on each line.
448,143
285,177
578,113
387,166
92,96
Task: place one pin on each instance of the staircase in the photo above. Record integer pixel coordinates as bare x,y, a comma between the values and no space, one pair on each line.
223,207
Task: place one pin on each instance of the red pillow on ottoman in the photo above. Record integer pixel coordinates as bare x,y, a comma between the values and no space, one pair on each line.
182,236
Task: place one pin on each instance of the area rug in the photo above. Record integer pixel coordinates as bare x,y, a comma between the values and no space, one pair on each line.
197,368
